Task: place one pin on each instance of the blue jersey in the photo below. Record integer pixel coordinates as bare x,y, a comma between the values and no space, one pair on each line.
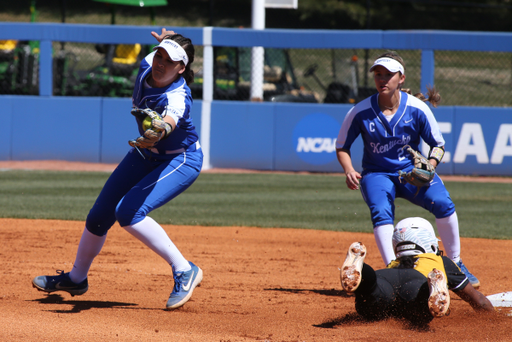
383,139
175,100
143,182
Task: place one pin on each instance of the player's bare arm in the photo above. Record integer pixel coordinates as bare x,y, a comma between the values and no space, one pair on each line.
433,162
345,161
170,121
475,298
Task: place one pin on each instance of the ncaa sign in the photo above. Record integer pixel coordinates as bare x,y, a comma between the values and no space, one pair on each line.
314,138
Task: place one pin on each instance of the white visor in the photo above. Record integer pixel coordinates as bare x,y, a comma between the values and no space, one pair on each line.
174,50
390,64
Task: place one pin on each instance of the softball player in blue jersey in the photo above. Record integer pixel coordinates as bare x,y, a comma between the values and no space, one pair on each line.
387,121
159,167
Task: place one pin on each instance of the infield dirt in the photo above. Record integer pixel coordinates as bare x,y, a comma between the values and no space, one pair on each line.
259,285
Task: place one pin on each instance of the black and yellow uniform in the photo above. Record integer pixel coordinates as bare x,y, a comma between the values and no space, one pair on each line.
403,292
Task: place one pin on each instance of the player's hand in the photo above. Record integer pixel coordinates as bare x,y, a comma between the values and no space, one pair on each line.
148,139
352,180
160,37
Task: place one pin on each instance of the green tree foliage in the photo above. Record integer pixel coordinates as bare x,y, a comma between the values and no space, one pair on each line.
465,15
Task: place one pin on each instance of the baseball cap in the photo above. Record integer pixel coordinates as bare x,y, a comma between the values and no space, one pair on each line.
390,64
174,50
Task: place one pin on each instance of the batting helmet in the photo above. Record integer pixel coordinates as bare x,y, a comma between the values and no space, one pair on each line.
413,236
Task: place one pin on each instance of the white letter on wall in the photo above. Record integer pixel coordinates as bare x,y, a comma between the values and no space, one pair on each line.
503,144
471,132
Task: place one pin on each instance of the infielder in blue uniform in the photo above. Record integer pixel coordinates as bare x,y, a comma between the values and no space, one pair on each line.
413,287
162,163
388,121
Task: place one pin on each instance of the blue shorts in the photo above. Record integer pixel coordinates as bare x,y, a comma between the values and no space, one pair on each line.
380,190
138,186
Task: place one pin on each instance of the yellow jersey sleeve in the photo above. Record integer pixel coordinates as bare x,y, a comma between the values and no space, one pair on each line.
424,263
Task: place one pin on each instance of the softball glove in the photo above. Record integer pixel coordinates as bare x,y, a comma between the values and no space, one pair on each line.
154,126
423,171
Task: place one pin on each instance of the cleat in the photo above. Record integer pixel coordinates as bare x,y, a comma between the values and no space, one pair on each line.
472,279
60,282
350,273
439,300
184,284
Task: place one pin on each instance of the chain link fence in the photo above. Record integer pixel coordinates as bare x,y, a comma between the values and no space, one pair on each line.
290,75
300,75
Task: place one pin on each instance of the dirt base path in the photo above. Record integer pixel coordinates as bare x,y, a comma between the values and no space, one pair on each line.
259,285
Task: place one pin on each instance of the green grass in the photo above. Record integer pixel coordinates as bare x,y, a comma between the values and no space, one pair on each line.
315,201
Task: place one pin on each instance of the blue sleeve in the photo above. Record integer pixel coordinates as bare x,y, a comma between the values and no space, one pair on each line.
349,130
429,131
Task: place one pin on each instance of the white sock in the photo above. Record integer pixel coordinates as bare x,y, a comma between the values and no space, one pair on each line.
154,236
384,238
448,229
89,247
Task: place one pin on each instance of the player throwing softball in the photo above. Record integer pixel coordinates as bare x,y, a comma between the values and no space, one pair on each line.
163,162
390,122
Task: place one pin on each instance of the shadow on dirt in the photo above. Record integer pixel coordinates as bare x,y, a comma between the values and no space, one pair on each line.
332,292
348,319
354,318
81,305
